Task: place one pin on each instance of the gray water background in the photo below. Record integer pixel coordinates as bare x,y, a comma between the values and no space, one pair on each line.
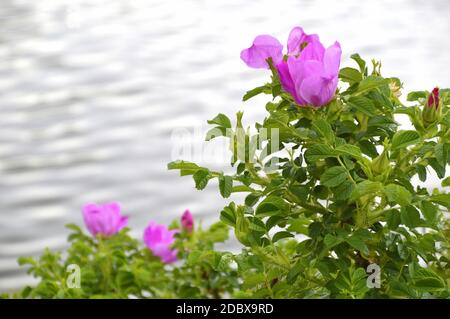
90,92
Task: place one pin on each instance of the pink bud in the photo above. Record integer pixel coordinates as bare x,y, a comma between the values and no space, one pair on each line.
187,221
433,98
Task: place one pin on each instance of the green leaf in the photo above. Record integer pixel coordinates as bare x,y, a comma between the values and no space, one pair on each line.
343,191
360,61
271,205
352,283
228,215
215,132
441,199
358,243
421,172
403,139
281,235
430,212
410,216
257,225
319,151
427,280
294,272
225,185
348,149
398,194
330,241
363,105
324,129
371,82
393,218
350,75
221,120
441,154
365,188
334,176
201,178
187,167
258,90
446,182
416,95
438,168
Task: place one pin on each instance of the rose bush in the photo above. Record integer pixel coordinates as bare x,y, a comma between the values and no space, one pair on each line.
338,200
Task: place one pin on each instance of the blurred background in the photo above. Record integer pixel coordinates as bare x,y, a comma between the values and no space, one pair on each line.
91,91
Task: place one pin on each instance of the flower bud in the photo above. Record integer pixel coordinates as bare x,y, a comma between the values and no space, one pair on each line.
380,164
430,112
187,221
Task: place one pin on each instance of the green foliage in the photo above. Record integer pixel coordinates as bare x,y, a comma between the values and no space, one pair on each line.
339,198
342,196
119,267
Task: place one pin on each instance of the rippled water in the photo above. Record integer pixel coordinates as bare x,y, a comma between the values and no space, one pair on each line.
91,90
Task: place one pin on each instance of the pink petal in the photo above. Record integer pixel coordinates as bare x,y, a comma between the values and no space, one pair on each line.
332,59
318,90
264,46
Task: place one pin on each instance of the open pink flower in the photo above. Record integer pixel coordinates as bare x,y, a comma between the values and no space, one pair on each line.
159,240
309,72
187,221
103,219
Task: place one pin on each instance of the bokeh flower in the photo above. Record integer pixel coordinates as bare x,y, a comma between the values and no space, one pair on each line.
103,219
159,240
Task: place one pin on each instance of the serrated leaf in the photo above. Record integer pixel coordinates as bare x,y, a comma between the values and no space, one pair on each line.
441,199
281,235
360,61
429,211
427,280
371,82
416,95
225,185
398,194
330,241
343,191
366,188
334,176
221,120
319,151
350,75
201,178
363,105
446,182
324,129
271,205
258,90
393,218
410,216
186,168
348,149
228,215
403,139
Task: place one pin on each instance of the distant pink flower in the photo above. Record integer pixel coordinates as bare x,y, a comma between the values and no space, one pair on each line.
103,219
187,221
159,240
309,72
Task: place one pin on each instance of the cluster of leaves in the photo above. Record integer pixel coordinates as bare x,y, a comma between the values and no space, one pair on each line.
342,195
119,267
330,192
